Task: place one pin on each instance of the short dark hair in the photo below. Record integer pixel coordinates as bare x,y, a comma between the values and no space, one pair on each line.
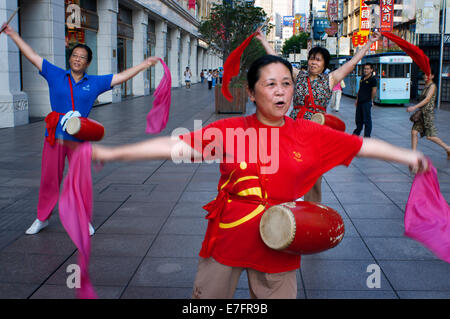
83,46
370,64
254,70
323,52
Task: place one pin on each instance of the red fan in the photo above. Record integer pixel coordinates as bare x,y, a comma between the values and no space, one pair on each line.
413,51
233,64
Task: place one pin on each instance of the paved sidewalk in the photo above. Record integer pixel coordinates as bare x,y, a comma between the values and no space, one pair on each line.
150,223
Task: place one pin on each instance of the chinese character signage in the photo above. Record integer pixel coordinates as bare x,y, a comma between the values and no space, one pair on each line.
299,23
364,18
319,28
386,15
358,39
191,4
332,10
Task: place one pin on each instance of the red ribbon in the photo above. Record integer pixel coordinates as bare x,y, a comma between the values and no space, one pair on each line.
51,121
232,66
418,56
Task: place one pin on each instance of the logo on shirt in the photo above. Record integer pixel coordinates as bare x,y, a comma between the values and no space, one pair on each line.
297,156
86,88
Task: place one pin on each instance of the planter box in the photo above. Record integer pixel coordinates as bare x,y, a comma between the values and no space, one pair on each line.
238,105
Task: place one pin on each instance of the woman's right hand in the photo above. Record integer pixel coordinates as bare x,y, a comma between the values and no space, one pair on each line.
7,29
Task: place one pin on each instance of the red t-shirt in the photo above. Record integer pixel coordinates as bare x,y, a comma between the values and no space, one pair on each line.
289,161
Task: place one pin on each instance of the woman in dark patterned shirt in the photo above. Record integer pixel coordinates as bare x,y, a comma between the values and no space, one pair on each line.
321,87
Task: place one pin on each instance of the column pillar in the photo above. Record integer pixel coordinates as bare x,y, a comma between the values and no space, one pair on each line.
140,21
13,101
107,11
200,66
42,27
193,60
160,48
174,57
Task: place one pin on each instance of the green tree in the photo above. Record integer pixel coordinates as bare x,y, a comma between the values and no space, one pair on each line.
295,43
229,25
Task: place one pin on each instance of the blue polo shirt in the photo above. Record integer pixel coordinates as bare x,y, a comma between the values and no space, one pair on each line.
85,92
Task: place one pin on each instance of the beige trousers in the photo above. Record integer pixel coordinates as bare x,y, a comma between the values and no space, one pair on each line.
217,281
315,193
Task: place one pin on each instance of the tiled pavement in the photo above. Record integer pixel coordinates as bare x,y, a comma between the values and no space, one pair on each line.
150,223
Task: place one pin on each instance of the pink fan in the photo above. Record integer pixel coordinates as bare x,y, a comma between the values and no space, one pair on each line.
159,114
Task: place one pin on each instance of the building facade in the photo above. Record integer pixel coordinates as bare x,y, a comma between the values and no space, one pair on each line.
121,34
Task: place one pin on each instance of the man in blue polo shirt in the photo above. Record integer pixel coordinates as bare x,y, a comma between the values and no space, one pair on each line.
58,144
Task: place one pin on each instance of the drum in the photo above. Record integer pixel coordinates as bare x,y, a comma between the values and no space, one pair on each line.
329,120
85,129
301,227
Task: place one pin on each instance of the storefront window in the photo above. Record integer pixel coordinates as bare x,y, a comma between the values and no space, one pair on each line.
81,27
395,70
125,46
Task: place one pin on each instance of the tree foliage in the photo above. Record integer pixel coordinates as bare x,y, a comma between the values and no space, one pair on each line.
295,43
229,25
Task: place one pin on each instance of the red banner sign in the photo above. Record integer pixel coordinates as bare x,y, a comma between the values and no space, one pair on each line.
386,15
358,39
191,4
332,10
364,19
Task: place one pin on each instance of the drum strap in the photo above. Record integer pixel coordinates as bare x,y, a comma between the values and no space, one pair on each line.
309,104
71,92
218,205
52,118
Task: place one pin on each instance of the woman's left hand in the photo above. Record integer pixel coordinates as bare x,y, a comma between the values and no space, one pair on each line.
411,109
420,163
375,37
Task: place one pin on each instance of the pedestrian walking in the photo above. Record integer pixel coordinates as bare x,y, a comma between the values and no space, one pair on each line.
210,79
424,120
336,96
232,241
202,76
364,101
313,89
58,144
214,78
187,77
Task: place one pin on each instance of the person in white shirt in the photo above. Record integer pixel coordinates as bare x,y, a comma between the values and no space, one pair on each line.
187,77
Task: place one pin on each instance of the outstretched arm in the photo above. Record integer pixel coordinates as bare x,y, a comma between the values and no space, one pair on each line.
26,50
269,49
339,74
379,149
424,102
153,149
131,72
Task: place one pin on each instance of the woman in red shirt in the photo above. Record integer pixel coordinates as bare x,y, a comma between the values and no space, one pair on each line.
265,159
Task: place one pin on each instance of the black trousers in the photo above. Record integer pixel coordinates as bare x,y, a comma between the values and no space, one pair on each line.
209,85
363,117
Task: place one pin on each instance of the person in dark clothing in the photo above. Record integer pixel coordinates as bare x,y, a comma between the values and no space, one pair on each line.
364,101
